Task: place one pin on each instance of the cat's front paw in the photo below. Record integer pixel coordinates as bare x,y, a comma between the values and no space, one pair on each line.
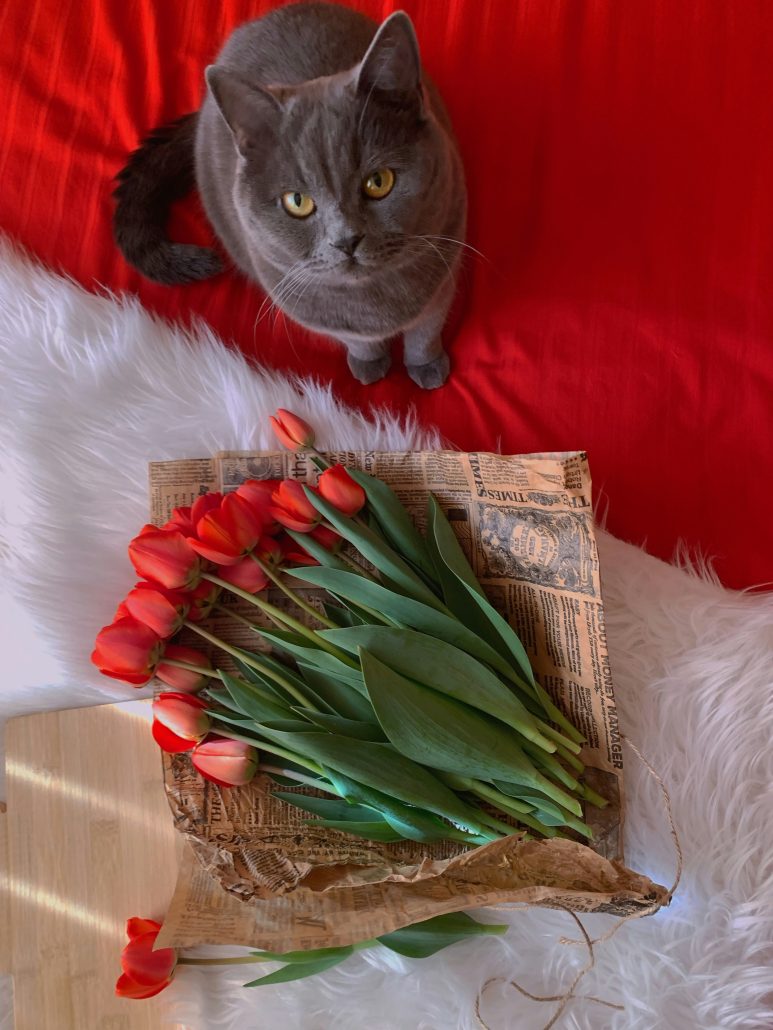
432,375
368,372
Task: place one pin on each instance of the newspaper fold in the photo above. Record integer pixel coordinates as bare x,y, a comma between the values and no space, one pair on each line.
256,874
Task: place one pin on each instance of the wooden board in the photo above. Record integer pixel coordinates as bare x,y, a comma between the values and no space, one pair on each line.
90,842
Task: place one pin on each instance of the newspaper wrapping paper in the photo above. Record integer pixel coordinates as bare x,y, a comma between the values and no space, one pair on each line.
257,874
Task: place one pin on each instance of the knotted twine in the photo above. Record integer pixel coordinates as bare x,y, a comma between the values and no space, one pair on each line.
569,995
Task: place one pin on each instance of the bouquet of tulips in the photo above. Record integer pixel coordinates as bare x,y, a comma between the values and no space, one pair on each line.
406,701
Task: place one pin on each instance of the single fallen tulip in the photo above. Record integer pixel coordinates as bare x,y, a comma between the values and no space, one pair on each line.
202,600
165,557
185,680
228,763
127,650
291,431
179,721
292,509
161,609
226,533
145,972
337,486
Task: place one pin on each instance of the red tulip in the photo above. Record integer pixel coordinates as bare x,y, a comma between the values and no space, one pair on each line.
245,574
338,487
229,763
181,520
127,650
329,539
164,556
163,610
226,533
145,972
291,431
258,493
179,721
184,680
204,504
202,599
292,508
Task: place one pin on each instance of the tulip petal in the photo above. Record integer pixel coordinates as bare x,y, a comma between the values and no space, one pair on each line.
125,987
136,926
145,966
169,741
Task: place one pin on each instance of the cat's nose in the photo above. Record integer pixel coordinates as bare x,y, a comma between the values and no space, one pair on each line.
348,244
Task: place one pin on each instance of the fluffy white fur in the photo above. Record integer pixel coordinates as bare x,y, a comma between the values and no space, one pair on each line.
91,389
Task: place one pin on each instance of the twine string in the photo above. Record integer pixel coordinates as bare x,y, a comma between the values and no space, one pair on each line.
569,995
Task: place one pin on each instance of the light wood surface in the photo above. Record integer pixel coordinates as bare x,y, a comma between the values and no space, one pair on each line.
90,842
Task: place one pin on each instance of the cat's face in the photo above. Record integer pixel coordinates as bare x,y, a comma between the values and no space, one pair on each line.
339,179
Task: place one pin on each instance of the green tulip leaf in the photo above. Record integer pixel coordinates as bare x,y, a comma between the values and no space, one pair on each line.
383,769
445,668
253,701
302,651
317,551
299,970
312,955
375,829
405,610
395,522
325,808
339,695
342,617
346,727
410,822
376,551
432,935
438,731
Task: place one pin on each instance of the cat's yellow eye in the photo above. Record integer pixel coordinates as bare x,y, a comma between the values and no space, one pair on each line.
379,184
299,205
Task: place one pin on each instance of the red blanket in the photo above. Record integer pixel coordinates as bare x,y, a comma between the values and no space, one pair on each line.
620,162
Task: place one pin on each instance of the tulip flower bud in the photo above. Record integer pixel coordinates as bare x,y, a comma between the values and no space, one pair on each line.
338,487
291,431
163,610
179,721
292,508
145,972
127,650
229,763
246,574
202,599
204,504
226,533
184,680
164,556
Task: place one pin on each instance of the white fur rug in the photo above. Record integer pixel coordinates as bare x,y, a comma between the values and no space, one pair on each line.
91,389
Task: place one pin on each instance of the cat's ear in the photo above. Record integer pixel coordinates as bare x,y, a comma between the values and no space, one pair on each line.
250,112
392,64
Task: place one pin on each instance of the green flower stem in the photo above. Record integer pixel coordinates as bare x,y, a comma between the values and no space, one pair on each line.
551,767
319,459
255,663
304,605
291,774
240,960
570,758
257,742
521,811
592,797
496,824
356,567
559,739
188,666
289,621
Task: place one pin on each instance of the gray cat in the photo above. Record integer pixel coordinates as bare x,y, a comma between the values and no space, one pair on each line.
328,169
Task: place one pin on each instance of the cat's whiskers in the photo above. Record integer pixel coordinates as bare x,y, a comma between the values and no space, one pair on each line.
283,288
459,243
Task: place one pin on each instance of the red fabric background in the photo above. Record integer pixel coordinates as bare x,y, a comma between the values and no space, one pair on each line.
620,163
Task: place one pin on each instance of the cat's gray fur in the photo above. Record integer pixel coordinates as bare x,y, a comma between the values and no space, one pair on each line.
313,98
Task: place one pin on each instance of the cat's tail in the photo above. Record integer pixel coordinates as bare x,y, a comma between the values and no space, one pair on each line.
158,173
